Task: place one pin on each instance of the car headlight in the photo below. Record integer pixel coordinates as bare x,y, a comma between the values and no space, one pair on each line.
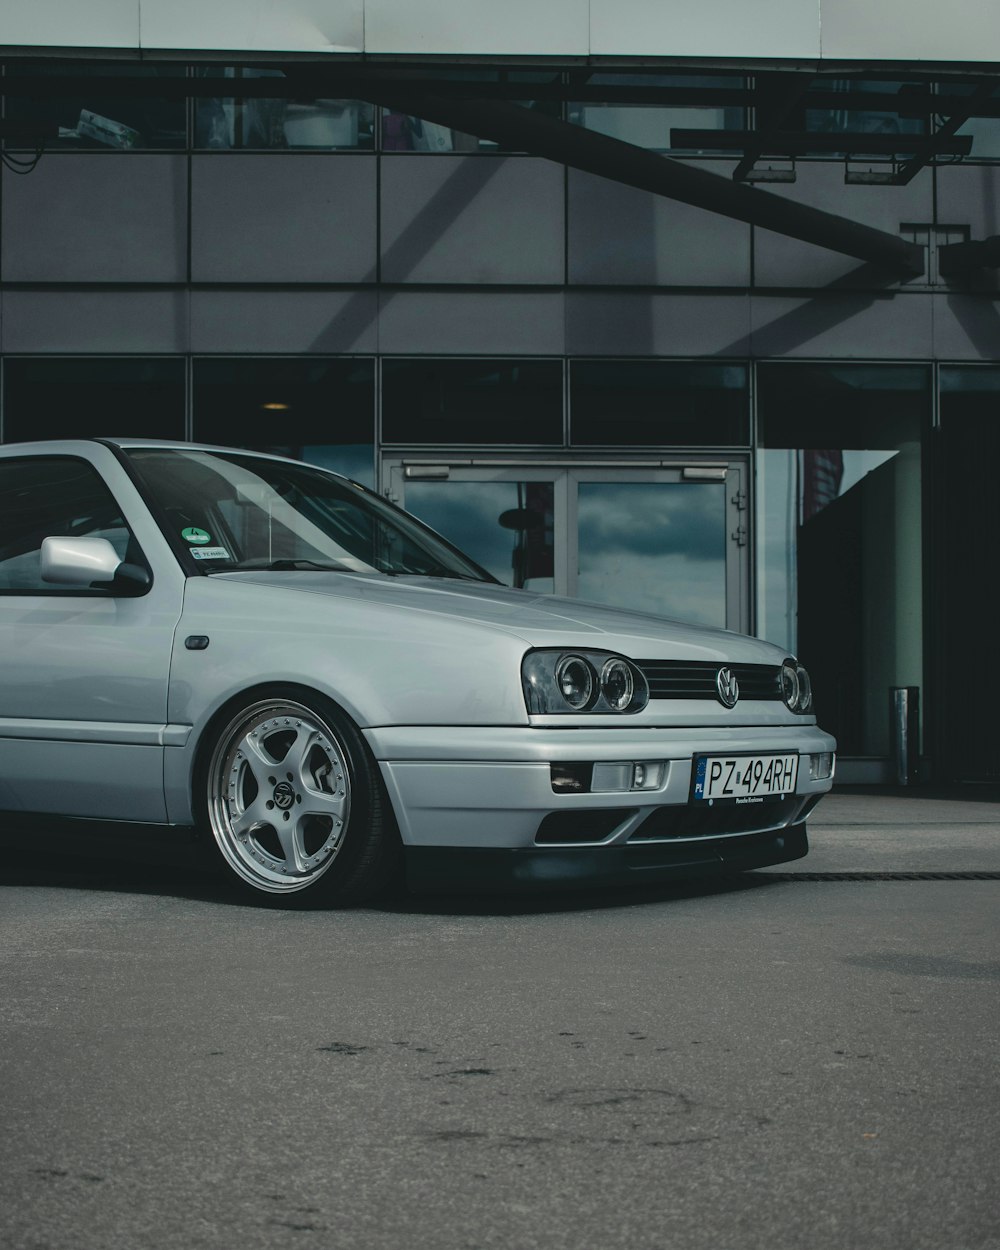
796,688
582,681
575,679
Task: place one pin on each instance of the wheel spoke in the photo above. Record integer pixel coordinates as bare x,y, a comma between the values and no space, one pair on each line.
255,814
258,760
290,837
297,756
319,803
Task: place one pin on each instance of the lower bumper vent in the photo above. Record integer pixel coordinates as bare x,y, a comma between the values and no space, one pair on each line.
702,821
592,826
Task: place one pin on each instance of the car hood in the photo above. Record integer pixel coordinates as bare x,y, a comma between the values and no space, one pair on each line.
537,619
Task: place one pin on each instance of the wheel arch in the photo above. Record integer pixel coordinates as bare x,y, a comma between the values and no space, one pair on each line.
182,790
371,849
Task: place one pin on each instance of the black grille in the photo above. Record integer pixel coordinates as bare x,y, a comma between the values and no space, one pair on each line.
698,820
695,679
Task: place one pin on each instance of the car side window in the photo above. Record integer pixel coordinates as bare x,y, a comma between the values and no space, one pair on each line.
53,496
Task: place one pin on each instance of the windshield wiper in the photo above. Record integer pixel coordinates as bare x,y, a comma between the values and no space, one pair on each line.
280,566
443,574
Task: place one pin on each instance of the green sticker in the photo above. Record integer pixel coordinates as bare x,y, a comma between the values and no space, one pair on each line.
197,536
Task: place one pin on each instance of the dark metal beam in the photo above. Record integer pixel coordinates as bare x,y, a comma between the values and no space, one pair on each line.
907,172
798,84
347,82
520,129
957,259
802,142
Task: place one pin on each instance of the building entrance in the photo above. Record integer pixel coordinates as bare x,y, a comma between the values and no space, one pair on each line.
669,539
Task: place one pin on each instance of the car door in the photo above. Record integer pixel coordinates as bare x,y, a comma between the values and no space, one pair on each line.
83,671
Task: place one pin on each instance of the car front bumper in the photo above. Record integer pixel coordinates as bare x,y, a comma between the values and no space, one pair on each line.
485,792
449,870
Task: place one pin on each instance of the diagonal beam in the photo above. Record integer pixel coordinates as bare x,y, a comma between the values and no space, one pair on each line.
519,129
798,86
908,171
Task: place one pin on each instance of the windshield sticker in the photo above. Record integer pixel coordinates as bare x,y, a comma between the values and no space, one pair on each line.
210,553
194,535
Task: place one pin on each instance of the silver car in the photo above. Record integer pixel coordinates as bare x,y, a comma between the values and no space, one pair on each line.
330,690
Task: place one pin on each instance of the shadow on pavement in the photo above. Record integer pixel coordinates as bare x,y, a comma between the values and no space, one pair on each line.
958,792
175,864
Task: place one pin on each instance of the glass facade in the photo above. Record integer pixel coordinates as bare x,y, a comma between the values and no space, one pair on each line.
403,133
985,131
260,108
840,534
659,402
472,401
91,396
318,410
132,118
629,110
234,121
869,120
507,526
659,547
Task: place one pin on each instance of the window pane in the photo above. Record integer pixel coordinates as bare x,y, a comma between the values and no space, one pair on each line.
507,527
402,133
232,120
93,396
318,410
657,546
52,497
868,119
654,403
633,112
101,116
985,131
840,574
472,401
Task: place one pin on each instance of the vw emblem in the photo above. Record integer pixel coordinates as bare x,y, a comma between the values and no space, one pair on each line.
284,795
727,686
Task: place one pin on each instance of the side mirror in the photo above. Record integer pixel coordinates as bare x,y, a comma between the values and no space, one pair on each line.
90,562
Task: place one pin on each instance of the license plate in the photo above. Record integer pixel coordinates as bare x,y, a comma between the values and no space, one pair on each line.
745,778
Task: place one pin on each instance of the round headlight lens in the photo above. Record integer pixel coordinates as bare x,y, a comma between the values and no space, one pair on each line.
575,679
617,684
805,700
790,685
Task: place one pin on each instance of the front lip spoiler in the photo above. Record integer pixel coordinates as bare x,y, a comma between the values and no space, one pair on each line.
503,870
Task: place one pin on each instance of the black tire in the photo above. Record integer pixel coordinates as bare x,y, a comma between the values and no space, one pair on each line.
294,802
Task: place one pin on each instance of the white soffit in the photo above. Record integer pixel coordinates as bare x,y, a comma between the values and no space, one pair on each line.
254,25
478,27
713,28
961,30
58,23
903,30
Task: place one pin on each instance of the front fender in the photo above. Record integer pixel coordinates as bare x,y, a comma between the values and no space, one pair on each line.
383,665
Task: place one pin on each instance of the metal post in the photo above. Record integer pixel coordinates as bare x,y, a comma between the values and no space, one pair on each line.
904,726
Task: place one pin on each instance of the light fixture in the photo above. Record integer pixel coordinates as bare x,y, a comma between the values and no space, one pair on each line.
276,406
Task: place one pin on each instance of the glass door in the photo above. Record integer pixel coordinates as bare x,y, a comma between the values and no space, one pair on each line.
666,539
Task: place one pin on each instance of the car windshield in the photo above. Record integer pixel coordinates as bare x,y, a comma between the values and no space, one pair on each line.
231,511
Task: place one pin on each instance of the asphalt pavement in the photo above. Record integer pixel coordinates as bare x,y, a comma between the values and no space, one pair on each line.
908,830
804,1057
